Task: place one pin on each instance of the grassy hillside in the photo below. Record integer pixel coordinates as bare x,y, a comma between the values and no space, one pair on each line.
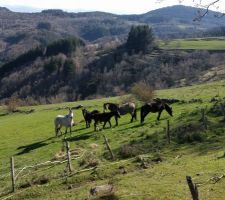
195,43
193,150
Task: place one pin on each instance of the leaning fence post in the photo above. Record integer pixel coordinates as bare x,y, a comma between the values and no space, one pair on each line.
69,164
13,174
168,131
108,147
193,188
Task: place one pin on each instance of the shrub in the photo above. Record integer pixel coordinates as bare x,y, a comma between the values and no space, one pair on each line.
12,104
129,150
89,160
143,91
189,133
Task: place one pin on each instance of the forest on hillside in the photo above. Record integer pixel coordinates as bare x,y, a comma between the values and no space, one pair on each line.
68,70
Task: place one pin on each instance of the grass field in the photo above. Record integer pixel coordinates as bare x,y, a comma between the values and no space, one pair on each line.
195,43
193,150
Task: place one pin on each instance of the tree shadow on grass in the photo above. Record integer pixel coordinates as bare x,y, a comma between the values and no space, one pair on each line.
30,147
83,136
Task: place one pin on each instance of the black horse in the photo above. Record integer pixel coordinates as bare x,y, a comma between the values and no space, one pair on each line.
88,116
122,109
156,106
104,117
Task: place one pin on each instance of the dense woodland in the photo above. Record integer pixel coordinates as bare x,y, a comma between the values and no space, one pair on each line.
110,55
68,69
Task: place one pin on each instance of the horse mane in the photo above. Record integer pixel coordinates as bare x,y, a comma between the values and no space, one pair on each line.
105,106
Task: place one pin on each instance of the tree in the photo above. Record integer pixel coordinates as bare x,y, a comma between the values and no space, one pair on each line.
65,46
52,65
140,38
69,68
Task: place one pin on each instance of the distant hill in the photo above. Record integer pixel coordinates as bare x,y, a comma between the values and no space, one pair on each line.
22,31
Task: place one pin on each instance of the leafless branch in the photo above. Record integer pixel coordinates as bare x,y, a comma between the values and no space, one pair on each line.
206,11
203,9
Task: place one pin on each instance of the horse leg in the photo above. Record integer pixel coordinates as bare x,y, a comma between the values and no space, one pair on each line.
89,123
104,124
116,118
65,131
70,130
59,129
95,124
158,118
110,124
56,131
135,114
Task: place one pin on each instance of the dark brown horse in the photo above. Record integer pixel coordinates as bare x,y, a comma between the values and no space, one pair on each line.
155,106
104,117
123,109
88,116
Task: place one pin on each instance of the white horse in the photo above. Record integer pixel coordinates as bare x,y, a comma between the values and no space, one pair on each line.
64,120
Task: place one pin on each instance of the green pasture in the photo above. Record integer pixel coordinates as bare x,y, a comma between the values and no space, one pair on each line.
30,138
195,43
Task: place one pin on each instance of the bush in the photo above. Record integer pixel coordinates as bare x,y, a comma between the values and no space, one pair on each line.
129,150
189,133
12,104
89,160
143,91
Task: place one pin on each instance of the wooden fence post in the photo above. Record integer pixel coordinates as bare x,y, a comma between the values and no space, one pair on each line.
13,174
223,110
204,118
108,147
168,131
193,188
69,164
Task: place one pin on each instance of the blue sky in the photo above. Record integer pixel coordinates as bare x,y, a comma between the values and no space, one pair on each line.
113,6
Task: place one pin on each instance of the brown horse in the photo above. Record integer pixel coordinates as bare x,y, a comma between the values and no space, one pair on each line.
155,106
104,117
88,116
123,109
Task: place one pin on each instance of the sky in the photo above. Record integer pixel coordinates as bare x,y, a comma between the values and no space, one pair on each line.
112,6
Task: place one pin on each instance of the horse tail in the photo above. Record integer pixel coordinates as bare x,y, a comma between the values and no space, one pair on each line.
168,109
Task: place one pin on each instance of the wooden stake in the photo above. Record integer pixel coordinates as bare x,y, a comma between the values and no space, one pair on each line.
108,147
168,131
69,165
204,118
193,188
13,174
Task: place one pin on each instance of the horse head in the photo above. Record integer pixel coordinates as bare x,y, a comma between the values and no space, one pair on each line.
117,114
70,115
105,107
169,109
